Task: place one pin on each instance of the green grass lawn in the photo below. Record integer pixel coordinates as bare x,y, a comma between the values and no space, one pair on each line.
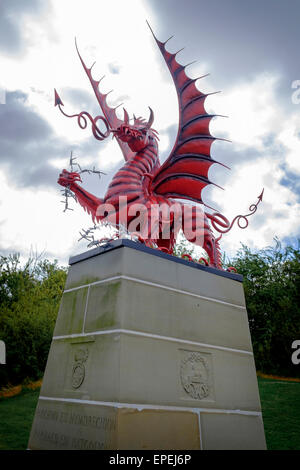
16,416
280,404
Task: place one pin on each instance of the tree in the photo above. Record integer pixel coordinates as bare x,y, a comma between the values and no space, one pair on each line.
272,291
29,299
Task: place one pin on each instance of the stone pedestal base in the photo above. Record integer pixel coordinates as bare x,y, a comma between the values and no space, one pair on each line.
149,352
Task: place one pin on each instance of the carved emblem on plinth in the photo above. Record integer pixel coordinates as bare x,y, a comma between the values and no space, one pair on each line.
195,374
78,372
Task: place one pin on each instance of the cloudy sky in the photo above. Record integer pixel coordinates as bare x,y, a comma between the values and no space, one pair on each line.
250,50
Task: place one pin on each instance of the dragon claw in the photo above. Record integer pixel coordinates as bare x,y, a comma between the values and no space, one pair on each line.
67,178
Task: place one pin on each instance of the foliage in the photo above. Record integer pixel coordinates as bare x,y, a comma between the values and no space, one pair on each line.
29,300
272,291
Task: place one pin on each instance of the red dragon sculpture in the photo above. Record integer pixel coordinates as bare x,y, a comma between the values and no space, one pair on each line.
144,181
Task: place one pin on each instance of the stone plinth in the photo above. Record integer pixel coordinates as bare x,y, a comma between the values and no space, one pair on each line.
149,352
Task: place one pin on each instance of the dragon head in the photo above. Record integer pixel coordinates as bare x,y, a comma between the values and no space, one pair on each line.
136,135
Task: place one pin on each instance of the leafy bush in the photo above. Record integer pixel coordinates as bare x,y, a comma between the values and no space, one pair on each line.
29,301
272,291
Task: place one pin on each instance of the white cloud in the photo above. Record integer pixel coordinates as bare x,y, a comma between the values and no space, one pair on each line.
277,215
34,219
255,116
252,109
103,36
289,137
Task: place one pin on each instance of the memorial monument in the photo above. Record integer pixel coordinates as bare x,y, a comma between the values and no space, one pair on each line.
151,351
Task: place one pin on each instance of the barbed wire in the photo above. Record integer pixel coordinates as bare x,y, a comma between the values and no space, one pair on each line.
75,166
120,231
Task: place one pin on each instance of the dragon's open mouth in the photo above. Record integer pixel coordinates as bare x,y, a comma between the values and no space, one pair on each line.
128,133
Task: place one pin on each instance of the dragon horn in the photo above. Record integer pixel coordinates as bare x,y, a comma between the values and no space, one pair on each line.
126,117
151,119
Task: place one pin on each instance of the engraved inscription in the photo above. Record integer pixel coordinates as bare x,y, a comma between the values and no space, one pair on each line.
101,422
195,374
49,437
64,426
62,441
78,371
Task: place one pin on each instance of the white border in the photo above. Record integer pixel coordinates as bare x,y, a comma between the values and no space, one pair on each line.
145,406
153,336
140,281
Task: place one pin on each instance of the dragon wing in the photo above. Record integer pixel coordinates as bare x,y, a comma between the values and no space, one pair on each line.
109,113
185,172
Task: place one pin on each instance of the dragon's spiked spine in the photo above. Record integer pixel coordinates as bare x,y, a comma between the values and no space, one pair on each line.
185,172
109,112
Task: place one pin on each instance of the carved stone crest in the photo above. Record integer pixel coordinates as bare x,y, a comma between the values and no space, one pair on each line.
195,374
78,371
